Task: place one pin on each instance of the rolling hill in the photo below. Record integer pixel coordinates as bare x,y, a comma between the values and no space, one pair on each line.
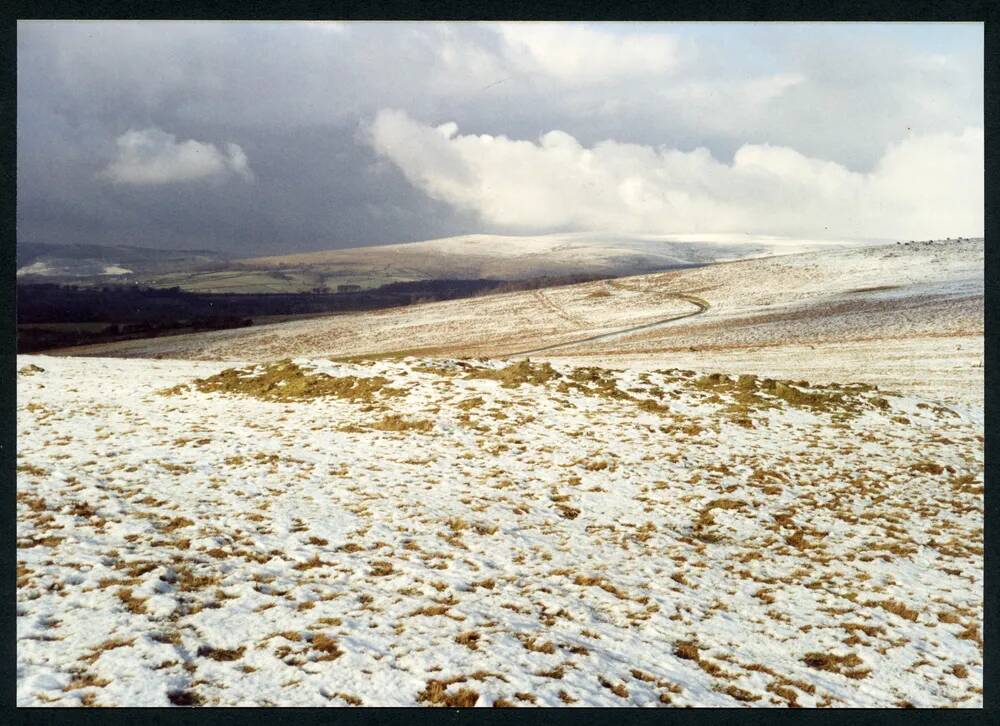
757,482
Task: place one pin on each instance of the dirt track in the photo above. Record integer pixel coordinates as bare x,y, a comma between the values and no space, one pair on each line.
700,304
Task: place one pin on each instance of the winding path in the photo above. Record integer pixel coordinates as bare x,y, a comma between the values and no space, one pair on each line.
700,305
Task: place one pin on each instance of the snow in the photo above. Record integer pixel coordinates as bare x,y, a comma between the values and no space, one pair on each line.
547,545
908,317
35,268
598,244
116,270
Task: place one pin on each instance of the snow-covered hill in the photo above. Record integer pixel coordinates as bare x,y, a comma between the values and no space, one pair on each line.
515,257
442,532
909,316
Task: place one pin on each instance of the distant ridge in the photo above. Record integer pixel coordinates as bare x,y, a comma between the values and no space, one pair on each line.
517,257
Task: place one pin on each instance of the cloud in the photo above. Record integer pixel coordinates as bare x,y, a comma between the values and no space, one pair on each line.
293,94
151,156
576,54
924,186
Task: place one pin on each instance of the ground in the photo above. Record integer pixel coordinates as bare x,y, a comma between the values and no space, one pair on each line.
907,316
433,531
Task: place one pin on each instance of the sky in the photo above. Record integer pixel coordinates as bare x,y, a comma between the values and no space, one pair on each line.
262,137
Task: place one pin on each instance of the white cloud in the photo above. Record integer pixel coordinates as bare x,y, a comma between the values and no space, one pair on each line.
577,54
924,186
152,156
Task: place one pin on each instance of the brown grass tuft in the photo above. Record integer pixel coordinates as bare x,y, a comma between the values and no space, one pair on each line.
469,639
221,654
436,694
845,665
740,695
687,650
286,381
618,689
135,605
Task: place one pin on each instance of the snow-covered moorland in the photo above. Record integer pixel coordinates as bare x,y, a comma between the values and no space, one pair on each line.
447,532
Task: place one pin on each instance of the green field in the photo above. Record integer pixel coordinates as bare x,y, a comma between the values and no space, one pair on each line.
274,281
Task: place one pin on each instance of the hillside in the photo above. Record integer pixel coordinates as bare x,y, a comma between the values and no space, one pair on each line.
908,316
515,258
469,257
455,533
44,261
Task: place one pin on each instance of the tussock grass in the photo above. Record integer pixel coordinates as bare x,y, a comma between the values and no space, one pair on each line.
470,639
517,374
286,381
618,689
185,698
687,650
531,643
846,665
394,422
31,469
221,654
895,607
327,646
135,605
740,694
747,394
86,680
107,645
436,693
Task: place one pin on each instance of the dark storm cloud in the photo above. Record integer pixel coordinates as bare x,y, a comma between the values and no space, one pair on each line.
299,100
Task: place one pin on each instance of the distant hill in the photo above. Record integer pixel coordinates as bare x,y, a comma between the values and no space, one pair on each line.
63,261
468,257
520,257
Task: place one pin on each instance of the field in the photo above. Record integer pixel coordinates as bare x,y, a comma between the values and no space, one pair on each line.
468,257
243,280
908,316
756,483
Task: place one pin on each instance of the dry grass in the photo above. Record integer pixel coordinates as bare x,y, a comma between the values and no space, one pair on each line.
221,654
516,374
531,643
395,422
845,665
286,381
469,639
618,689
557,673
687,650
740,695
591,581
327,646
185,698
895,607
135,605
86,680
436,694
31,469
107,645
